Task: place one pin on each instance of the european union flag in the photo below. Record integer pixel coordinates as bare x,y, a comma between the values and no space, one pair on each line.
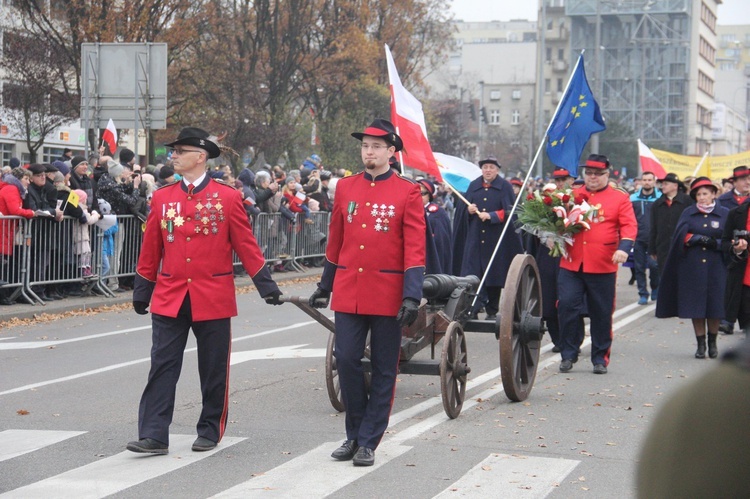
577,118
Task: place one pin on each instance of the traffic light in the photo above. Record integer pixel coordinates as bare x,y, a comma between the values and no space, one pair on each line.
484,115
472,112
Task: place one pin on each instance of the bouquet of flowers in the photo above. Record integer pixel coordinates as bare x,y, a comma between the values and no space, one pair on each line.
555,215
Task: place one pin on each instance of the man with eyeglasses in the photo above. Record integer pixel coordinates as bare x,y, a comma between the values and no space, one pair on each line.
185,273
374,267
590,271
490,200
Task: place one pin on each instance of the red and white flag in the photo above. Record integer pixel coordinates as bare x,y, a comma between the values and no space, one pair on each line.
649,163
110,136
408,118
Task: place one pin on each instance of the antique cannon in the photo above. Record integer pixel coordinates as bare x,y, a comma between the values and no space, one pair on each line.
445,314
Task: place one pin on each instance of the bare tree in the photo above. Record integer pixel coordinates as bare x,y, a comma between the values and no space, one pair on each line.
34,101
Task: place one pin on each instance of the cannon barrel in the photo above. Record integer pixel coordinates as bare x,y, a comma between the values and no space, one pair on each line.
440,286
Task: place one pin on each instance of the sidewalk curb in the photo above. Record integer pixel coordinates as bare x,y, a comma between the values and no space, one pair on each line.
71,304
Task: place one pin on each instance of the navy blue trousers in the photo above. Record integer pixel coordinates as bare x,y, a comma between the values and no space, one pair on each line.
169,337
367,414
599,292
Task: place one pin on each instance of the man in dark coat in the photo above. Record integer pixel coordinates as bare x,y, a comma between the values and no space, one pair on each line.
321,196
664,216
733,199
438,230
737,293
491,199
738,195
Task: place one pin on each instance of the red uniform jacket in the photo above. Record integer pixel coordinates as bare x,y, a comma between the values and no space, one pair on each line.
376,235
192,237
613,227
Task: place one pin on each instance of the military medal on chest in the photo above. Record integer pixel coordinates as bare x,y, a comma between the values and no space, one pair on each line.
351,209
208,214
382,213
171,217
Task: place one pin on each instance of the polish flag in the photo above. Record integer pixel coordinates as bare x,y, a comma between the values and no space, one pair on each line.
408,118
649,163
110,136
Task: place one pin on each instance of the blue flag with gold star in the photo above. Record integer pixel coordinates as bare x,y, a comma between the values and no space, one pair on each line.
577,119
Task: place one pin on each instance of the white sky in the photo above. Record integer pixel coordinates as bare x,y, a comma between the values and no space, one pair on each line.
729,12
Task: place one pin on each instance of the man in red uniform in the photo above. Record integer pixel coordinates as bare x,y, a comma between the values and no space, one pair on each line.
374,266
590,270
185,272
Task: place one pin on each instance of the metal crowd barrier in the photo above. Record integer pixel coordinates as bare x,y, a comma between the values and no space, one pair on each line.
290,242
14,235
41,254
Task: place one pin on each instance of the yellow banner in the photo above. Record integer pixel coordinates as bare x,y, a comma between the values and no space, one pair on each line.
714,167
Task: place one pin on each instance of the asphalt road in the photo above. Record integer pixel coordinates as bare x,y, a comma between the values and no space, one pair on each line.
69,392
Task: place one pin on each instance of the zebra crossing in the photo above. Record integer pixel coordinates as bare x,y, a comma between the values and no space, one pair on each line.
311,475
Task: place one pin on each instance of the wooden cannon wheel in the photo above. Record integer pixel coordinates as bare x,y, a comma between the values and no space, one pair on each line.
332,375
453,370
520,327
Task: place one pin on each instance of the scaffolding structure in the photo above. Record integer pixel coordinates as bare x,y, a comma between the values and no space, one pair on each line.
640,50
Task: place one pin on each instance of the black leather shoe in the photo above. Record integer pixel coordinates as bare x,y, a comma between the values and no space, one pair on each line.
148,446
346,451
566,365
203,444
364,457
491,317
600,369
556,349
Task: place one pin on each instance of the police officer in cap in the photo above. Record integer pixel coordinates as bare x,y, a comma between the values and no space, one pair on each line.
192,222
374,267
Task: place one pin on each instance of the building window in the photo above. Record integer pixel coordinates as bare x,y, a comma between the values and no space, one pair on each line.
704,116
708,17
705,83
560,54
559,85
50,154
495,95
495,117
516,94
547,84
515,117
549,54
6,152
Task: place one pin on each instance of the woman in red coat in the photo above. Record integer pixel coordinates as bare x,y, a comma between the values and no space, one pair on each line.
12,191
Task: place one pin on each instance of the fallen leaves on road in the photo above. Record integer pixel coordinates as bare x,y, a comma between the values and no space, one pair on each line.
22,412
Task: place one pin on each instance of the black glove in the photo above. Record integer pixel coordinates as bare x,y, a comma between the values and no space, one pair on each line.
408,312
708,242
694,240
319,298
141,307
273,298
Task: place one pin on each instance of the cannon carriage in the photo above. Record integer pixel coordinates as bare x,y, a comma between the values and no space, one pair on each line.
445,314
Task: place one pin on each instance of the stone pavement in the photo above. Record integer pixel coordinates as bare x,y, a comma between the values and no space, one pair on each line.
69,304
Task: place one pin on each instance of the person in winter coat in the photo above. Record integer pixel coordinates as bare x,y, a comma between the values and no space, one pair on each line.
695,273
13,188
664,216
82,235
643,201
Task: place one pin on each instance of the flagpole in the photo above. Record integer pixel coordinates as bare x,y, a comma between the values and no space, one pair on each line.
700,163
509,218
